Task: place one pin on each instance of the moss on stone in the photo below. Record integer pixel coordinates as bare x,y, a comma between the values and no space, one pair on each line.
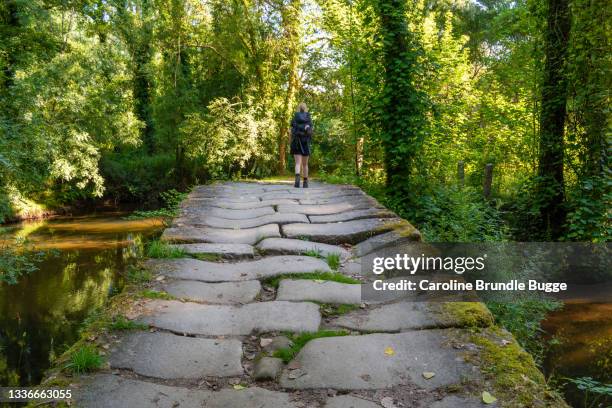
512,372
467,314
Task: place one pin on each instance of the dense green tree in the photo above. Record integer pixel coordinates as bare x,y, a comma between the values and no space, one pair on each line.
552,118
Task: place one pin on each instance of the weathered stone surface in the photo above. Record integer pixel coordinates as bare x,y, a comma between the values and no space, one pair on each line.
168,356
352,215
353,267
198,211
193,269
252,204
389,318
299,246
352,198
324,292
222,236
230,251
224,292
277,342
267,368
218,320
453,401
110,391
324,209
376,361
349,401
350,232
309,193
228,197
400,236
276,218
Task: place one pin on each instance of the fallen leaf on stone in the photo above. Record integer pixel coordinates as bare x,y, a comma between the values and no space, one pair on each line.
389,351
239,387
428,375
160,278
387,402
265,342
488,398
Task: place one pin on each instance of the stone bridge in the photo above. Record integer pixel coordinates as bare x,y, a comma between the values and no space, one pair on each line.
265,265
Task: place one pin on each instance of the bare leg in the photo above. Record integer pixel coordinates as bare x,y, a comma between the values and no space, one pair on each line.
305,166
298,163
298,166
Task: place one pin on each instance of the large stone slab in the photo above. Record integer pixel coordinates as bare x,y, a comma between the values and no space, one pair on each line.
111,391
324,209
168,356
309,194
317,291
223,236
276,218
350,232
390,318
349,401
221,320
193,269
251,204
222,293
299,246
339,199
229,251
197,211
352,215
377,361
229,197
400,236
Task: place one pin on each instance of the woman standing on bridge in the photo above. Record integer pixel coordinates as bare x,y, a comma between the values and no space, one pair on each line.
301,134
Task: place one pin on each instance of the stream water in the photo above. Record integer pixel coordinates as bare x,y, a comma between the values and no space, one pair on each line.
41,315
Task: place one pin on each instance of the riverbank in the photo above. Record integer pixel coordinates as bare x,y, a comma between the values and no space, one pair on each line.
84,262
467,338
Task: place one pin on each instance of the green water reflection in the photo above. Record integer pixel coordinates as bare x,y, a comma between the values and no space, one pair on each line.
40,316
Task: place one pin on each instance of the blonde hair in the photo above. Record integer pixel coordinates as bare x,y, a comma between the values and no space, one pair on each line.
302,107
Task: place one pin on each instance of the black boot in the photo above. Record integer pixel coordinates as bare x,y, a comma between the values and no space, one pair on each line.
297,181
305,185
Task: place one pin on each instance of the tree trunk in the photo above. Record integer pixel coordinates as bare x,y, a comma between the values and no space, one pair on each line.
291,24
552,119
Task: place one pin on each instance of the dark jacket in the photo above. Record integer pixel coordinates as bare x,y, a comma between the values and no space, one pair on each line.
299,122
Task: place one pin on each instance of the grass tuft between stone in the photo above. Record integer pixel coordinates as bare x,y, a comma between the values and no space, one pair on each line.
328,276
299,340
121,323
333,260
84,360
154,294
160,249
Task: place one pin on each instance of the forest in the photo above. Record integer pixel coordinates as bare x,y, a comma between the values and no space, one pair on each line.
122,100
475,120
